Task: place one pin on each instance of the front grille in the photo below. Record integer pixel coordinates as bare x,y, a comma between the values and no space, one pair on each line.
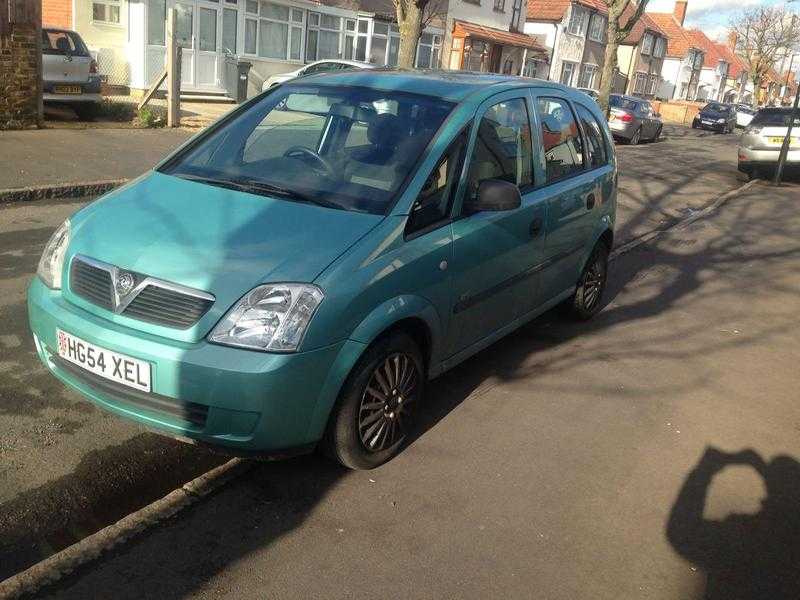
153,300
167,307
191,412
91,283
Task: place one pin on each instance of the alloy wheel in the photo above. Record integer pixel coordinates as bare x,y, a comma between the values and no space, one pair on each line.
593,284
385,413
635,137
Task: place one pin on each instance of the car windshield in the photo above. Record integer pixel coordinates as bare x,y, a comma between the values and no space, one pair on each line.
55,41
774,118
714,107
343,147
620,102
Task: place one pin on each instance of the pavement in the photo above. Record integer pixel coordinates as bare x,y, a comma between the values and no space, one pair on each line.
650,453
67,469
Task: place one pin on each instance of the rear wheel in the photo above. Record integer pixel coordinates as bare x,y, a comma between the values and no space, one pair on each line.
588,298
375,412
657,135
636,137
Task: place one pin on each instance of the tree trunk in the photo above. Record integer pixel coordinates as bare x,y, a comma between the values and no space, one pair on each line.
756,83
610,63
410,28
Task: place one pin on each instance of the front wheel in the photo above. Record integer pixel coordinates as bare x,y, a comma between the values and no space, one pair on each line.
588,298
374,415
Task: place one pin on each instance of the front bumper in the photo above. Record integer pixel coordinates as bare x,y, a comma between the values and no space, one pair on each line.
750,158
710,126
245,400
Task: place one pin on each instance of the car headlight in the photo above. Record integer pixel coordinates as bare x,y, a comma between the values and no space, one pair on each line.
720,120
52,261
271,317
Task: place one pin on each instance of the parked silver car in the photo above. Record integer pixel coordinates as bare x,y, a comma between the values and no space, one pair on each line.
633,119
69,73
320,66
760,144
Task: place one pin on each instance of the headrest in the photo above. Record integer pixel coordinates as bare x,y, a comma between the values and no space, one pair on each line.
62,43
385,130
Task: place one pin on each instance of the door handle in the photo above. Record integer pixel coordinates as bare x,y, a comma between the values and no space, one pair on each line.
590,202
536,227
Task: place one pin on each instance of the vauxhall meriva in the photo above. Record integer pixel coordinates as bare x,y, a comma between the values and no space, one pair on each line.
294,275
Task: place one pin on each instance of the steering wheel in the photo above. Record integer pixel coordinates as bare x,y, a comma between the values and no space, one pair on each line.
297,151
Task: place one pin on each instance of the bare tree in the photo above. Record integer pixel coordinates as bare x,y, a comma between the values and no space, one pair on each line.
763,33
622,17
412,17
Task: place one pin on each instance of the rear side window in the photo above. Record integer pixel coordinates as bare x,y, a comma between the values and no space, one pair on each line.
63,42
595,140
502,146
563,149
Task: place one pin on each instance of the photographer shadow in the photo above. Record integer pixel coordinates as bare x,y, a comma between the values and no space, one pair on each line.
744,556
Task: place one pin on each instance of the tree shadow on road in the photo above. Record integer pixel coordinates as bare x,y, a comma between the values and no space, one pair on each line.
745,557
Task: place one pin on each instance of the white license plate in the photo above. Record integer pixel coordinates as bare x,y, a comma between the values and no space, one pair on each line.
67,89
111,365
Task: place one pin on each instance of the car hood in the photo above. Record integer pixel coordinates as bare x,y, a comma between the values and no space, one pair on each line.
712,114
217,240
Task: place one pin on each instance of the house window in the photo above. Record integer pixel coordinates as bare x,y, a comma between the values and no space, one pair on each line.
106,12
273,30
647,43
500,5
531,68
698,60
653,85
597,26
577,20
661,46
428,51
156,19
476,52
567,72
355,39
508,66
229,30
640,83
516,11
587,76
323,35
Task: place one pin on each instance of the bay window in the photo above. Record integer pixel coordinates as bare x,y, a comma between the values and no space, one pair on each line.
660,48
640,83
597,27
567,72
577,20
587,76
647,43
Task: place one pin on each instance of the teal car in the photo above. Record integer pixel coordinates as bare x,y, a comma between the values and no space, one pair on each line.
293,276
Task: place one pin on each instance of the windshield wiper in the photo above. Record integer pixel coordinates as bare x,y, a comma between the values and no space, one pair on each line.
262,188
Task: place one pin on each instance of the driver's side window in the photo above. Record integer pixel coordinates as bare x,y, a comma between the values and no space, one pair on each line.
435,200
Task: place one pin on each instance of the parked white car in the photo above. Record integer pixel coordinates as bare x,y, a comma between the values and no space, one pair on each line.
69,73
744,114
761,143
320,66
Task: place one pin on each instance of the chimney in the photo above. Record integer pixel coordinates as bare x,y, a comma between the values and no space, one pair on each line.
679,12
732,39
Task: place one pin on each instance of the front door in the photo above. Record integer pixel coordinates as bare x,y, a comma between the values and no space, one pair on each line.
495,253
197,32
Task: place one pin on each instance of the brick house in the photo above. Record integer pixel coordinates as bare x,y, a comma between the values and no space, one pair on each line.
683,61
640,58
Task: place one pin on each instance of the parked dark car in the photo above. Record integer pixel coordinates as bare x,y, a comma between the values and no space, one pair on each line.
717,117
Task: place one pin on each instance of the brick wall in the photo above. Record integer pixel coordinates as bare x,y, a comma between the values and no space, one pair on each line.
20,80
57,13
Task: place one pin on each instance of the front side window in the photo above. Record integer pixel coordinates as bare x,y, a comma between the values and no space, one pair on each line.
436,198
577,21
502,147
595,140
561,140
344,147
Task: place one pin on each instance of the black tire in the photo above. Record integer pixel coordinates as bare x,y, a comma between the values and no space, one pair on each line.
371,409
694,124
86,111
657,134
636,137
588,298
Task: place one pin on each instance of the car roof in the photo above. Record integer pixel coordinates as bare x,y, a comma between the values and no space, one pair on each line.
455,86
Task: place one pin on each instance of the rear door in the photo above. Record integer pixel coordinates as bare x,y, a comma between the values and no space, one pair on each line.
572,193
65,57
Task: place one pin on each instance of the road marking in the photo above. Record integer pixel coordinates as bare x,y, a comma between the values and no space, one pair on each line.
91,547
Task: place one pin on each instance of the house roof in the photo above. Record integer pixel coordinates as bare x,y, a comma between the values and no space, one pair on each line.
505,38
645,23
679,40
737,65
712,55
553,10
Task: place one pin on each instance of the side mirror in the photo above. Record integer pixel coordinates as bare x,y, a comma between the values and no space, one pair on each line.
494,195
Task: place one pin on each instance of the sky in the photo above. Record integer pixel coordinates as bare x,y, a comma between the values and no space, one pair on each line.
712,16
